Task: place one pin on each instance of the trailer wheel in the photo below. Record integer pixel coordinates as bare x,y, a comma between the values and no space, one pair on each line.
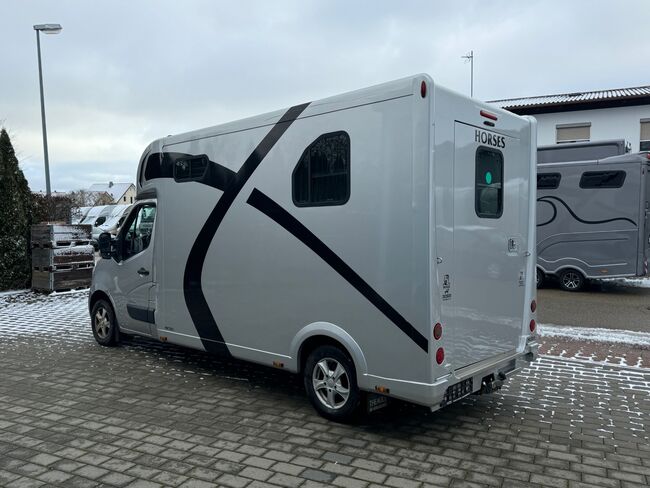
331,383
104,324
539,277
571,280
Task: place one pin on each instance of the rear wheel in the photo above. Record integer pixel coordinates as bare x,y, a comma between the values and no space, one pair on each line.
572,280
331,384
103,323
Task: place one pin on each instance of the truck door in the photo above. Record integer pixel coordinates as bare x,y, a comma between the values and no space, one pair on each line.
134,274
487,283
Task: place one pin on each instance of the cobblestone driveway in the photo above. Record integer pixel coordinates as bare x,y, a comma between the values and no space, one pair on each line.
75,414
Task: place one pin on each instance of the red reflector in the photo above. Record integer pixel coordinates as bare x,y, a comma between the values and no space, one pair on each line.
440,355
423,89
533,306
437,331
532,325
488,115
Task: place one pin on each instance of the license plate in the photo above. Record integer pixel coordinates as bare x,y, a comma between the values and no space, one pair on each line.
376,402
457,391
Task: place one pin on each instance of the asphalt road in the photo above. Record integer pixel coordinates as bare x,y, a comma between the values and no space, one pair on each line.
607,305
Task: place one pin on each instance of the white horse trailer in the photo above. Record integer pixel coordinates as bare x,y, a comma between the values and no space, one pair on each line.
379,242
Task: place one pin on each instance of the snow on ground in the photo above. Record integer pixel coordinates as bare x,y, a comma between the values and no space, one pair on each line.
595,334
633,282
596,345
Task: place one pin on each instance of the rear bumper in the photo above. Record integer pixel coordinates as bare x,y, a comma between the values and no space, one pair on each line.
433,394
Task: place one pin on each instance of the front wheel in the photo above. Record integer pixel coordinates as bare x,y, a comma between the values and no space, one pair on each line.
331,383
571,280
103,323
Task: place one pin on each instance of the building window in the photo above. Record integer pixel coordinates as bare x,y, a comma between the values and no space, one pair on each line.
572,132
548,181
131,199
125,198
644,145
488,191
602,179
322,175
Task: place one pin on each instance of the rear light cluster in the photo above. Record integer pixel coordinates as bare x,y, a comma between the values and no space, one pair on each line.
437,334
532,325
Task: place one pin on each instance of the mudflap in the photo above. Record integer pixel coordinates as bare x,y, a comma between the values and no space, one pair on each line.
375,402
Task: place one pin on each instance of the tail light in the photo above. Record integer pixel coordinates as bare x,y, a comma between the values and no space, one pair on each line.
532,326
423,89
437,331
440,355
533,306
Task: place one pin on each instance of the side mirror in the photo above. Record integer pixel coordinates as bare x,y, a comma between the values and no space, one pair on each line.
104,244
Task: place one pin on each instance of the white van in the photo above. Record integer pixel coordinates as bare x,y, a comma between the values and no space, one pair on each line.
112,222
379,242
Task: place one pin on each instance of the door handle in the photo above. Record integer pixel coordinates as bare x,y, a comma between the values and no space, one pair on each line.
143,272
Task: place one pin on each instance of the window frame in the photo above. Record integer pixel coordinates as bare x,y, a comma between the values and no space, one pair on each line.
348,188
643,141
574,125
189,159
126,225
476,177
554,175
591,173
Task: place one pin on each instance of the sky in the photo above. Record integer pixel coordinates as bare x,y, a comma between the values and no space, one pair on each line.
123,73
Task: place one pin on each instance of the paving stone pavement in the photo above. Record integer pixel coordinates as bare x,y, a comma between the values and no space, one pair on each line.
144,414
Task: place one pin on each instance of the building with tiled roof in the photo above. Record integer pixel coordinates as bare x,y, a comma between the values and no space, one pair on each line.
622,113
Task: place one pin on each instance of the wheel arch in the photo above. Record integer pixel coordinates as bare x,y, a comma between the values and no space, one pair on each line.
100,295
324,333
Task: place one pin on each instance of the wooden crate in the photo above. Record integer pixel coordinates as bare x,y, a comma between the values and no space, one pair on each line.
62,257
49,236
62,280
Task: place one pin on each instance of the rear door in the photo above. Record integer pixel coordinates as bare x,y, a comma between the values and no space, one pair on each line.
487,285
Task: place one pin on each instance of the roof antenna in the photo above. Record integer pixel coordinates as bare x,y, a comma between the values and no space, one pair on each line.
469,57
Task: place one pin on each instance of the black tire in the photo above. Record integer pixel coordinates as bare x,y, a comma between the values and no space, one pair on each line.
330,400
103,323
540,278
571,280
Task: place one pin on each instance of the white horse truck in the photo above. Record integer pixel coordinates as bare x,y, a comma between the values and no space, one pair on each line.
381,243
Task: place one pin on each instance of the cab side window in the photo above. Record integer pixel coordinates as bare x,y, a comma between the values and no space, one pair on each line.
137,234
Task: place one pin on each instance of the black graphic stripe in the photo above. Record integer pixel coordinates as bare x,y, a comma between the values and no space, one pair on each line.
546,199
216,176
140,313
195,300
272,210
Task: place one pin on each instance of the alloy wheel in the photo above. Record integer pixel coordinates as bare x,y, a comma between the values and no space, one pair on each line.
331,383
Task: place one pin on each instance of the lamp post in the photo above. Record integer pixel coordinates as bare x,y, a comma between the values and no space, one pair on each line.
47,29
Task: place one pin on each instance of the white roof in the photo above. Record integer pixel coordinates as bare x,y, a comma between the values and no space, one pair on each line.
115,191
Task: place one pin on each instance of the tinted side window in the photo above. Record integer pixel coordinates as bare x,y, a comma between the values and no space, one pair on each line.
137,235
488,192
602,179
322,175
548,181
190,169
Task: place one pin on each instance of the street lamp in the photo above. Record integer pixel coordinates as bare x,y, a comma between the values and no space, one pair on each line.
46,29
